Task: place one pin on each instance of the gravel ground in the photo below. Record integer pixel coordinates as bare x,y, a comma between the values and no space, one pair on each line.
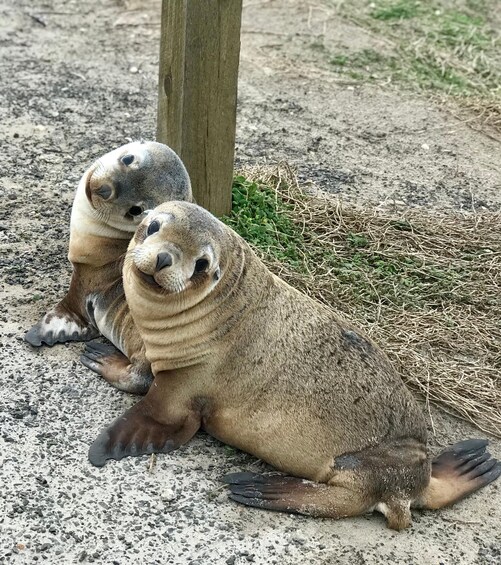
78,79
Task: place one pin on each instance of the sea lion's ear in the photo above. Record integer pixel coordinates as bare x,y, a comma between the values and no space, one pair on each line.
105,191
88,190
102,190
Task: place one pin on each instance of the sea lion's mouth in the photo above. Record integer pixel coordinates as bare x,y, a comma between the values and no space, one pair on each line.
149,279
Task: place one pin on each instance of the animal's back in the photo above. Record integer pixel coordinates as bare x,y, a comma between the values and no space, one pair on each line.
311,376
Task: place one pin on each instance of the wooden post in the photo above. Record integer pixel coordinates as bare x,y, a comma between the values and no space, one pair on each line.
199,54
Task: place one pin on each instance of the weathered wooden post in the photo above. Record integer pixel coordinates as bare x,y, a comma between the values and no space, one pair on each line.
199,54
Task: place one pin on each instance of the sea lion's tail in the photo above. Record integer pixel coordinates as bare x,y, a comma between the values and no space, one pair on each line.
457,472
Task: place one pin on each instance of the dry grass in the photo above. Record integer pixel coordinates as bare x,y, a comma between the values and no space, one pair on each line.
426,287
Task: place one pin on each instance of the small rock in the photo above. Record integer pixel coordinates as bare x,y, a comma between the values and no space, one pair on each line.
168,495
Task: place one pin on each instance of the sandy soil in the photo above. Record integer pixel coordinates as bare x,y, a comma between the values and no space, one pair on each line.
79,78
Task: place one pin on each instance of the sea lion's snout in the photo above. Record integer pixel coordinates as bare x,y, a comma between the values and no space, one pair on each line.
161,264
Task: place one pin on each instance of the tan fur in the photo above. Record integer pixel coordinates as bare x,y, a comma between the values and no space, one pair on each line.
440,493
268,370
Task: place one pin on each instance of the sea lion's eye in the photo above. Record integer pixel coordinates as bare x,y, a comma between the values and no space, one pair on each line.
153,227
201,265
104,191
127,159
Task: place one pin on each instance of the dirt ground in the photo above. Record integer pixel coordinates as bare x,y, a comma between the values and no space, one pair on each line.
78,79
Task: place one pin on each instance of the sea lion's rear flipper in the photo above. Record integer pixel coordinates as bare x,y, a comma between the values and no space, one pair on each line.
299,496
459,471
60,325
142,430
106,360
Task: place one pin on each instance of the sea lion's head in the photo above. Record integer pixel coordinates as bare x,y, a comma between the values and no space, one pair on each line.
179,249
123,184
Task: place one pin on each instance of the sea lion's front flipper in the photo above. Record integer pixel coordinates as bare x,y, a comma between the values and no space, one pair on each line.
143,430
106,360
60,325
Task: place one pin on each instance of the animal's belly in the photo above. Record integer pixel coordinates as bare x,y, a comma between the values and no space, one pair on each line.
290,446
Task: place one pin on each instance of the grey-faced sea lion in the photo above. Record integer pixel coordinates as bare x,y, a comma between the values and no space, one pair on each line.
110,202
260,366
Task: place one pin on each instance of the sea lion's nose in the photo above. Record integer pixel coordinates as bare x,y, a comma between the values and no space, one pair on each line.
135,210
163,260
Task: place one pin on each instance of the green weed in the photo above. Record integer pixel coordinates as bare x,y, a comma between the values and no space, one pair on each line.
401,10
360,59
262,219
458,29
429,74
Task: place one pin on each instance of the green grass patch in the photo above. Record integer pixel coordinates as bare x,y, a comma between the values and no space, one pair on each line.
424,70
400,281
360,266
458,29
263,219
360,59
429,74
402,10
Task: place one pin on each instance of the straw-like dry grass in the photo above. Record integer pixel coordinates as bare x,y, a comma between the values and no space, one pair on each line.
426,287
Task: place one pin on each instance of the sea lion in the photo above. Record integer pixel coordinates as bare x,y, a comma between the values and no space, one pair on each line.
110,201
262,367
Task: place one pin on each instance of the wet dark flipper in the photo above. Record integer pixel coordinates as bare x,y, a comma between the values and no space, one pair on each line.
141,431
282,493
458,457
272,492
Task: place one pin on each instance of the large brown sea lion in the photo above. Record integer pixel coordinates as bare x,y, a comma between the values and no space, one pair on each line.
110,202
260,366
